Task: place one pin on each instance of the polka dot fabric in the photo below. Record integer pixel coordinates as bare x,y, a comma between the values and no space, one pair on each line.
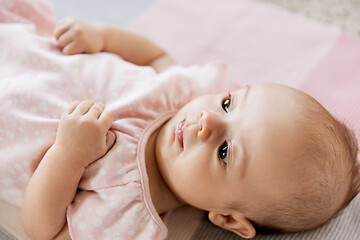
38,82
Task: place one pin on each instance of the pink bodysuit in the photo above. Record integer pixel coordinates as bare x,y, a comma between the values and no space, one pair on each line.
38,82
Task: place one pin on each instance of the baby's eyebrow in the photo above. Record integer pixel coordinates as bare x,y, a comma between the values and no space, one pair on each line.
239,148
245,159
239,102
248,88
239,156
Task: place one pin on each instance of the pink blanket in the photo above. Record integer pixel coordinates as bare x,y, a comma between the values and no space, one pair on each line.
259,42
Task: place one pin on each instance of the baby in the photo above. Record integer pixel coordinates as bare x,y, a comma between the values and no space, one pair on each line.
265,156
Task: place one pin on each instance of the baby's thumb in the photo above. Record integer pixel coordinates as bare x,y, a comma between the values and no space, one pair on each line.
110,139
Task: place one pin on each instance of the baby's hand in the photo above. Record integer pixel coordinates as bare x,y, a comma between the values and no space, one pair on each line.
83,134
75,36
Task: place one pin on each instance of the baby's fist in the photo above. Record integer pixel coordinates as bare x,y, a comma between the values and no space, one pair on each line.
84,133
75,36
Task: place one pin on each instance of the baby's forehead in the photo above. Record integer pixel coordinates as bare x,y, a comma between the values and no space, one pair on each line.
278,93
281,116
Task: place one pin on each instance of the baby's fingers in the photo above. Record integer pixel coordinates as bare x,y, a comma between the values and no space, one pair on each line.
71,108
73,48
106,119
66,38
96,110
83,107
63,25
110,139
60,29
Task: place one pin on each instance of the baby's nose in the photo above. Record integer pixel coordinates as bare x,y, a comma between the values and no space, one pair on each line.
210,124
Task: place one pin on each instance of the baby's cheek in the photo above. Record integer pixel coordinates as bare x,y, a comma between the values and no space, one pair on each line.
194,168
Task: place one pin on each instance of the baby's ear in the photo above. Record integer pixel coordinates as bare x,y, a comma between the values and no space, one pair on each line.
233,222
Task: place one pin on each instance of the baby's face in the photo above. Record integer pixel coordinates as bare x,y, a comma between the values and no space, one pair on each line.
232,148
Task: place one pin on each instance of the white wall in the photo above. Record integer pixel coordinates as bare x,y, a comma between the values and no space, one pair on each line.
116,12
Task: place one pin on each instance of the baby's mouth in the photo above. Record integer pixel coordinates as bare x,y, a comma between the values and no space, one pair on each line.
179,132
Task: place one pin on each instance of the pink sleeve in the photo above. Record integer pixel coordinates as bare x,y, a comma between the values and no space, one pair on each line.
38,13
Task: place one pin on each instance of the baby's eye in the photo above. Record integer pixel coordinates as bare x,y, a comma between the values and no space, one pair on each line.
226,103
223,149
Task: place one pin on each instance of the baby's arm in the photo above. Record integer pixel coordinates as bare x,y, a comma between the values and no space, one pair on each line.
75,36
83,137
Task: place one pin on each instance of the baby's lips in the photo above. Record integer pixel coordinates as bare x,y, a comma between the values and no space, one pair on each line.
179,132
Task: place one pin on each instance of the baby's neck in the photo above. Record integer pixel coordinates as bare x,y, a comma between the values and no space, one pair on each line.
162,197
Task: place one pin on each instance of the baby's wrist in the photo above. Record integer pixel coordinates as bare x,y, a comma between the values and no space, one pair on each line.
100,29
67,156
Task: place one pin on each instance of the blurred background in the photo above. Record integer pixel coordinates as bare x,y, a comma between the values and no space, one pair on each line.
342,13
116,12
